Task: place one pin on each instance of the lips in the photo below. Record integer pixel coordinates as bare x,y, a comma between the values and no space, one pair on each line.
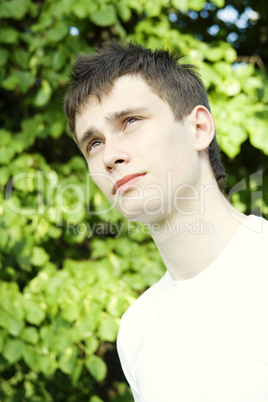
131,179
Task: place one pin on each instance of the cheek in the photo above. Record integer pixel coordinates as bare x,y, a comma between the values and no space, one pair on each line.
105,183
183,165
102,179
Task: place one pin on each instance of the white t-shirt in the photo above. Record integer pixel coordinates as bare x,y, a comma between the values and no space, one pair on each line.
204,339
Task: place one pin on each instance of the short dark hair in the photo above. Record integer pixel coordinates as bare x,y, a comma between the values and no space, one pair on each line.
176,83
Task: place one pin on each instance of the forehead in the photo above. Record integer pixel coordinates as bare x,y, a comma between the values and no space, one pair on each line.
128,91
121,90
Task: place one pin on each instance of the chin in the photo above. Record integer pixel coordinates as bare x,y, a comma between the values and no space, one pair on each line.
130,211
149,209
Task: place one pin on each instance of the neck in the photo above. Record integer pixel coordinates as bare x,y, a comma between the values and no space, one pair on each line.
189,242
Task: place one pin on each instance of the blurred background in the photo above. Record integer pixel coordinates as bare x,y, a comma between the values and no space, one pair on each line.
70,265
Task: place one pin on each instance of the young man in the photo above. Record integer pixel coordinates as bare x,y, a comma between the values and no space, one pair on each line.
142,121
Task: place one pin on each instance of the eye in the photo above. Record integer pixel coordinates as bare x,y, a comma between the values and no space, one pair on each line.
130,120
93,144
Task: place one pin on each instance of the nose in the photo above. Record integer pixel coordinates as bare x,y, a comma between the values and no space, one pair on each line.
115,155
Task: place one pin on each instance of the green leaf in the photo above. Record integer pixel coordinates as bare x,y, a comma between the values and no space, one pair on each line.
120,30
21,58
58,59
238,203
258,134
11,82
41,230
116,305
196,4
26,80
13,350
15,327
5,137
62,340
82,9
230,148
54,232
215,54
180,4
123,10
219,3
96,367
251,84
85,326
138,6
39,257
238,134
3,56
230,55
22,79
77,371
9,35
135,281
105,16
4,236
31,127
108,329
231,86
55,337
224,72
70,310
4,318
153,7
43,24
92,345
243,71
79,10
13,9
57,33
31,357
67,359
95,398
56,129
47,364
35,314
15,305
3,338
30,334
44,94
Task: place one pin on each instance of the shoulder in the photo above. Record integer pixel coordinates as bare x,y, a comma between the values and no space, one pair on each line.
146,303
250,254
142,314
254,234
137,324
256,224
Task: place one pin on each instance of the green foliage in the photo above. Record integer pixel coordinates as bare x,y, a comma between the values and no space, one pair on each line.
69,264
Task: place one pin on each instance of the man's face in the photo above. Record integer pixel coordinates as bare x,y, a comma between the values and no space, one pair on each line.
137,154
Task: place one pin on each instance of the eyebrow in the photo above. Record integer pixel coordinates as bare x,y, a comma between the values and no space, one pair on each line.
86,136
110,118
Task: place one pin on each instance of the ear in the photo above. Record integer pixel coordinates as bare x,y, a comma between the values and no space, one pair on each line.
204,127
